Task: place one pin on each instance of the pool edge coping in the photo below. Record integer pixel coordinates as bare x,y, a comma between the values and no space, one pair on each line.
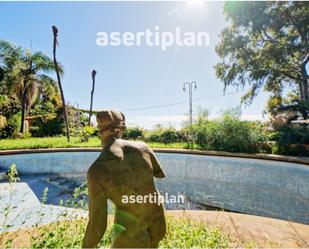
272,157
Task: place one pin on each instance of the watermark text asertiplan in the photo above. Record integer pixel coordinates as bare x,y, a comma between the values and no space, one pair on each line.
153,38
155,198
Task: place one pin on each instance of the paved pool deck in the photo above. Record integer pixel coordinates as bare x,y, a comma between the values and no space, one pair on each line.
26,210
252,230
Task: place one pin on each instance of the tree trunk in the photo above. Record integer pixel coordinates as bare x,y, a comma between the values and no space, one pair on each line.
1,74
306,97
305,89
304,80
24,97
94,72
23,105
55,33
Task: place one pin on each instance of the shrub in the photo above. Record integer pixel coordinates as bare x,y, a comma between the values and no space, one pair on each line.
170,136
90,130
6,131
181,233
15,121
49,126
290,134
69,230
154,137
21,135
134,133
166,136
87,132
288,138
2,122
289,149
229,133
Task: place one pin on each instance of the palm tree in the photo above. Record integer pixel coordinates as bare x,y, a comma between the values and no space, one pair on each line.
25,72
94,72
55,43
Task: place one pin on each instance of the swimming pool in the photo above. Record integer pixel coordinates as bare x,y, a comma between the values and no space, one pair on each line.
253,186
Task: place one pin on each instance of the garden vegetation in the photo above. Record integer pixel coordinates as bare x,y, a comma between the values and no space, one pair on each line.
69,231
264,47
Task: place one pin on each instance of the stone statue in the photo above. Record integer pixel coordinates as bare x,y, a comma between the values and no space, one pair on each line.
124,169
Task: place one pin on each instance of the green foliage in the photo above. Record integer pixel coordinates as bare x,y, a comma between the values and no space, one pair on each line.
75,124
24,135
2,122
289,149
60,142
186,233
158,135
288,138
226,133
181,233
9,207
165,136
290,134
171,135
91,130
47,126
265,46
15,121
20,67
69,230
6,132
12,126
134,133
87,132
13,174
229,133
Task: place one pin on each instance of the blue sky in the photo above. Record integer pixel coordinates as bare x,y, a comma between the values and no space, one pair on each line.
129,77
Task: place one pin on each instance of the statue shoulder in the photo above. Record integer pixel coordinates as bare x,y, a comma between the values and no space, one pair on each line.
134,146
121,147
142,148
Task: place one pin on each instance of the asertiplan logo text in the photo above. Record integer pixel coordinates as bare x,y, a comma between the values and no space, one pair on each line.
154,38
154,198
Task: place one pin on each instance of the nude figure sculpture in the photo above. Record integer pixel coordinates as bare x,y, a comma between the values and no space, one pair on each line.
124,168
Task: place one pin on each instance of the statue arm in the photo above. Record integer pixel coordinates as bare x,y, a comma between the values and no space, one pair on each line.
97,214
157,168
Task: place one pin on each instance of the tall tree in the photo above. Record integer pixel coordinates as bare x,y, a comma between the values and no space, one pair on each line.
55,43
24,73
93,74
266,46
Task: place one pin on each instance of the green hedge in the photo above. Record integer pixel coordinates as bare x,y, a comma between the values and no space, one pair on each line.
229,133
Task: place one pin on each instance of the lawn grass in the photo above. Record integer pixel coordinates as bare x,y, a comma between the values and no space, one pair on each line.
181,233
61,142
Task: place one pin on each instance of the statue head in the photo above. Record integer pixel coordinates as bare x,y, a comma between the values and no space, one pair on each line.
111,125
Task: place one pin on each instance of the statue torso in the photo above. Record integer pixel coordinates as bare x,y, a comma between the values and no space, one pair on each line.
126,168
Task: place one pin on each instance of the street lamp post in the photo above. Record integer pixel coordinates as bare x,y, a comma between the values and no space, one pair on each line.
190,86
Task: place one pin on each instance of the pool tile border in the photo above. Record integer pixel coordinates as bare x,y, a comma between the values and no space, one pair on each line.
291,159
